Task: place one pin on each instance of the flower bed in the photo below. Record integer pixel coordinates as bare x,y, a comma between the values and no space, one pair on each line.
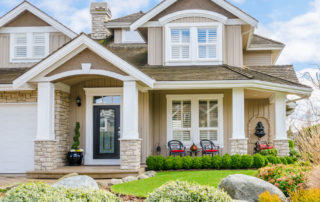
216,162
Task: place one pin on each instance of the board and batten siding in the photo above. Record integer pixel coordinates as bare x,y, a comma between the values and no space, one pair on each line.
56,40
155,46
257,58
118,36
233,46
159,116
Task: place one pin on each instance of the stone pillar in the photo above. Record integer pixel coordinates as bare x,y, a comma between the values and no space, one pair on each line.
100,13
281,143
239,143
45,153
130,143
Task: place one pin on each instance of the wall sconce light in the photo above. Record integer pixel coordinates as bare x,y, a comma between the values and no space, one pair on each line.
158,150
78,101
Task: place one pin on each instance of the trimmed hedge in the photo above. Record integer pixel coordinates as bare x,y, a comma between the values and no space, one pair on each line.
216,162
268,152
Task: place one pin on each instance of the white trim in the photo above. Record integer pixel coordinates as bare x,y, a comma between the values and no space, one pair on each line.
256,84
191,13
195,129
280,116
84,42
167,3
124,38
6,30
19,103
238,125
265,48
90,93
27,6
9,87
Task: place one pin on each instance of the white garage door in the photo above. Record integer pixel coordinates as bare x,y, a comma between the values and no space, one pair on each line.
17,132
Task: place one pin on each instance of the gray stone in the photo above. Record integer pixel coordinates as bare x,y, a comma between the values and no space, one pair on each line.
243,187
67,176
115,181
103,185
150,173
129,179
143,176
80,181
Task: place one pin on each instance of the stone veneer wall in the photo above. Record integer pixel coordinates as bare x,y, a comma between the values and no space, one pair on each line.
238,146
130,154
282,146
18,96
45,153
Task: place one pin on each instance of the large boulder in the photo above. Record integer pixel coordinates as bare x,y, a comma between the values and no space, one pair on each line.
248,188
80,181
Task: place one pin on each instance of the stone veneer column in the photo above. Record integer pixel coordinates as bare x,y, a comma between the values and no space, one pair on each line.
100,13
130,143
282,146
238,142
45,153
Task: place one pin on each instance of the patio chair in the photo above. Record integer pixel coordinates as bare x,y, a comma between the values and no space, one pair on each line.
176,148
208,147
262,145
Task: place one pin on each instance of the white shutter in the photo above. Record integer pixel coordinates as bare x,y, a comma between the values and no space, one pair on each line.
180,43
207,40
39,45
20,45
208,120
181,120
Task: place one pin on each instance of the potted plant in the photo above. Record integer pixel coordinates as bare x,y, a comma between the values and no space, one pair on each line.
75,155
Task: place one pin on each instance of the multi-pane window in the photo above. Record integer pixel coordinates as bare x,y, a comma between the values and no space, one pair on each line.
180,44
192,118
29,47
207,43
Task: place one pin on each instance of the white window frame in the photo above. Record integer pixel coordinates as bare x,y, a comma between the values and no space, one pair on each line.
125,40
194,52
180,44
195,129
29,58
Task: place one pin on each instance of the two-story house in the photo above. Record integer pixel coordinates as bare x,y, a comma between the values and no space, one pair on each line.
185,70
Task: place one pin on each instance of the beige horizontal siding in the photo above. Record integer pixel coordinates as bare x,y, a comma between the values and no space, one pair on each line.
254,58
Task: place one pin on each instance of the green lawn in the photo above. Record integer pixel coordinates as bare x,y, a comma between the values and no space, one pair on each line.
141,188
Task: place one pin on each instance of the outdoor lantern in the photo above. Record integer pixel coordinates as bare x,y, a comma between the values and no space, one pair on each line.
158,149
78,101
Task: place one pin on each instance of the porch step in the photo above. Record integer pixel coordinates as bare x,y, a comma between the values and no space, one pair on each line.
96,172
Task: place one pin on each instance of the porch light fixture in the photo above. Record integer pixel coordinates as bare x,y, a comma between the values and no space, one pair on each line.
78,101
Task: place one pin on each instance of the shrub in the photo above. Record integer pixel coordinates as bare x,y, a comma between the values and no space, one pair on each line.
308,143
283,160
291,144
289,159
278,160
266,161
226,161
155,162
216,162
178,163
267,152
45,192
310,195
187,162
267,197
76,141
236,161
246,161
177,191
206,161
288,178
197,162
258,161
272,159
169,163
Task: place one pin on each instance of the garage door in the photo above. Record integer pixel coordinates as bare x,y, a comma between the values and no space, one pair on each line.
17,133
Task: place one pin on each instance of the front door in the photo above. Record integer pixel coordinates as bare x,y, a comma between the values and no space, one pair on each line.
106,124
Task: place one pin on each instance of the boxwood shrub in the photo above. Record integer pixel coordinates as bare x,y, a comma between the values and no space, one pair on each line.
226,161
178,163
236,161
197,162
246,161
258,161
169,163
267,152
206,162
216,162
187,162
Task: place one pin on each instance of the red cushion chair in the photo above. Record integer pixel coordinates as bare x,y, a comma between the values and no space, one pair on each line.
208,147
176,148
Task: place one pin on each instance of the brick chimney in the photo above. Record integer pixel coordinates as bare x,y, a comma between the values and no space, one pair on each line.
100,13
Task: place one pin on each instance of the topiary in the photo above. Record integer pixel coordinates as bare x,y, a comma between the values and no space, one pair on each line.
178,163
216,162
236,161
187,162
226,161
258,161
197,162
246,161
76,142
169,163
206,161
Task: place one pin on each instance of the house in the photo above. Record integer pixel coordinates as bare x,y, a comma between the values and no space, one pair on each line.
186,70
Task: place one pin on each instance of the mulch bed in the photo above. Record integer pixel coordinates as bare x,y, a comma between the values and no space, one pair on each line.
127,197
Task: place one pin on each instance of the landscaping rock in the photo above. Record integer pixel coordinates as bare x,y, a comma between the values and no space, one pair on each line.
80,181
68,175
103,185
150,173
143,176
129,179
248,188
115,181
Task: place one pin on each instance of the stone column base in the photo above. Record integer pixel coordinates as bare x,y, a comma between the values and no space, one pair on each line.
45,154
239,146
282,146
130,154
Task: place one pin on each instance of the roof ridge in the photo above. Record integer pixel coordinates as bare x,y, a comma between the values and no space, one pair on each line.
236,70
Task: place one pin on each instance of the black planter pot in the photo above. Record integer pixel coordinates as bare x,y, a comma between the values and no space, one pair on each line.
75,158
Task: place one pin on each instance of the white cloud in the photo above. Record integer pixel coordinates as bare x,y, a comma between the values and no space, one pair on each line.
301,35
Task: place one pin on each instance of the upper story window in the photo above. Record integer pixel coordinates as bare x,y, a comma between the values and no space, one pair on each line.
28,47
193,44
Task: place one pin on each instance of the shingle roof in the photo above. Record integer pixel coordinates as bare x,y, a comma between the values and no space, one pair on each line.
126,19
260,41
8,75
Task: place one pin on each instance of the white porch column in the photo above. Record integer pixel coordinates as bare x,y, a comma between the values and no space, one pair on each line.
45,145
281,142
239,143
130,143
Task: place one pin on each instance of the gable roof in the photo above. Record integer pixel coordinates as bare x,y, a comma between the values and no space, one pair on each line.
124,21
167,3
27,6
263,43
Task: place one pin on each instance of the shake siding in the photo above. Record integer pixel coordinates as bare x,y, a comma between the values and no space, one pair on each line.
118,36
155,46
256,58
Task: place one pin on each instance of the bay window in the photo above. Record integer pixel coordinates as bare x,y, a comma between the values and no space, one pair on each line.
192,118
193,44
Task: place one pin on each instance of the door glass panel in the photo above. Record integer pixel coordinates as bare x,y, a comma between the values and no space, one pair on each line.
107,131
97,99
107,100
116,100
